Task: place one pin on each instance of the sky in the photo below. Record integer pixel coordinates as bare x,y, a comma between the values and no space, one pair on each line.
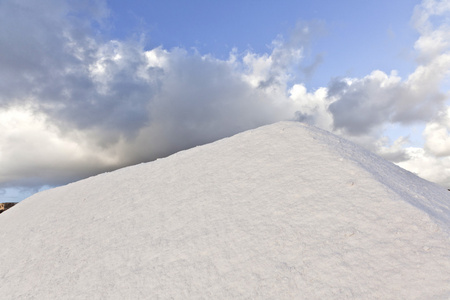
91,86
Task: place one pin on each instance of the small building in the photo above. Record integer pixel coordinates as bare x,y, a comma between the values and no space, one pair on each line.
6,205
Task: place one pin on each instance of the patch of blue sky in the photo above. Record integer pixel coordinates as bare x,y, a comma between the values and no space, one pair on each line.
357,36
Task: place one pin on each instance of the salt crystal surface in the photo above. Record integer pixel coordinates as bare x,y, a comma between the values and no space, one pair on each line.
285,211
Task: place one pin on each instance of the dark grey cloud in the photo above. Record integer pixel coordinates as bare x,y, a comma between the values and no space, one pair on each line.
38,43
73,105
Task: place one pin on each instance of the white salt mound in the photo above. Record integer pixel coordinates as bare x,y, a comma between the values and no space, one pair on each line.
285,211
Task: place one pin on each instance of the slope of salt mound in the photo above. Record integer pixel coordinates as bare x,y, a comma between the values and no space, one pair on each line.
285,211
413,189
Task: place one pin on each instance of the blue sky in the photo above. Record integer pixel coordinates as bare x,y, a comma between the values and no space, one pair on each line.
91,86
354,37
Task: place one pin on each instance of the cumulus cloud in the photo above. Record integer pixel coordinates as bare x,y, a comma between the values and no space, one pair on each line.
73,104
425,165
434,34
395,151
437,135
313,106
34,153
362,108
361,105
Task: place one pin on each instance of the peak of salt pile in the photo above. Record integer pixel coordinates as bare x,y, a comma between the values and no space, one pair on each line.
285,211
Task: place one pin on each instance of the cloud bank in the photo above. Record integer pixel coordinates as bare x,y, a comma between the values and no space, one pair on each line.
366,106
73,104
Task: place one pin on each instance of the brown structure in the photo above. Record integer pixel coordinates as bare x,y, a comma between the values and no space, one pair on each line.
6,205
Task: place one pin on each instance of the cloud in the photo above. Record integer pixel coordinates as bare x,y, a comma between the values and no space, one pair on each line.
394,152
437,135
42,41
35,153
73,105
432,162
361,106
312,107
432,168
434,40
310,69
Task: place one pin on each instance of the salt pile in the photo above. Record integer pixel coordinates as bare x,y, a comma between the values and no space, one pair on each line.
285,211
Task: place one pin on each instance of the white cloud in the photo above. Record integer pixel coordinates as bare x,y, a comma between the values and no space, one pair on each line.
312,107
425,165
361,106
81,105
395,151
437,135
433,41
34,152
73,105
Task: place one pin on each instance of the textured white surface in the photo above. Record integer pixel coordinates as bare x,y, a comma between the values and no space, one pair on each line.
285,211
